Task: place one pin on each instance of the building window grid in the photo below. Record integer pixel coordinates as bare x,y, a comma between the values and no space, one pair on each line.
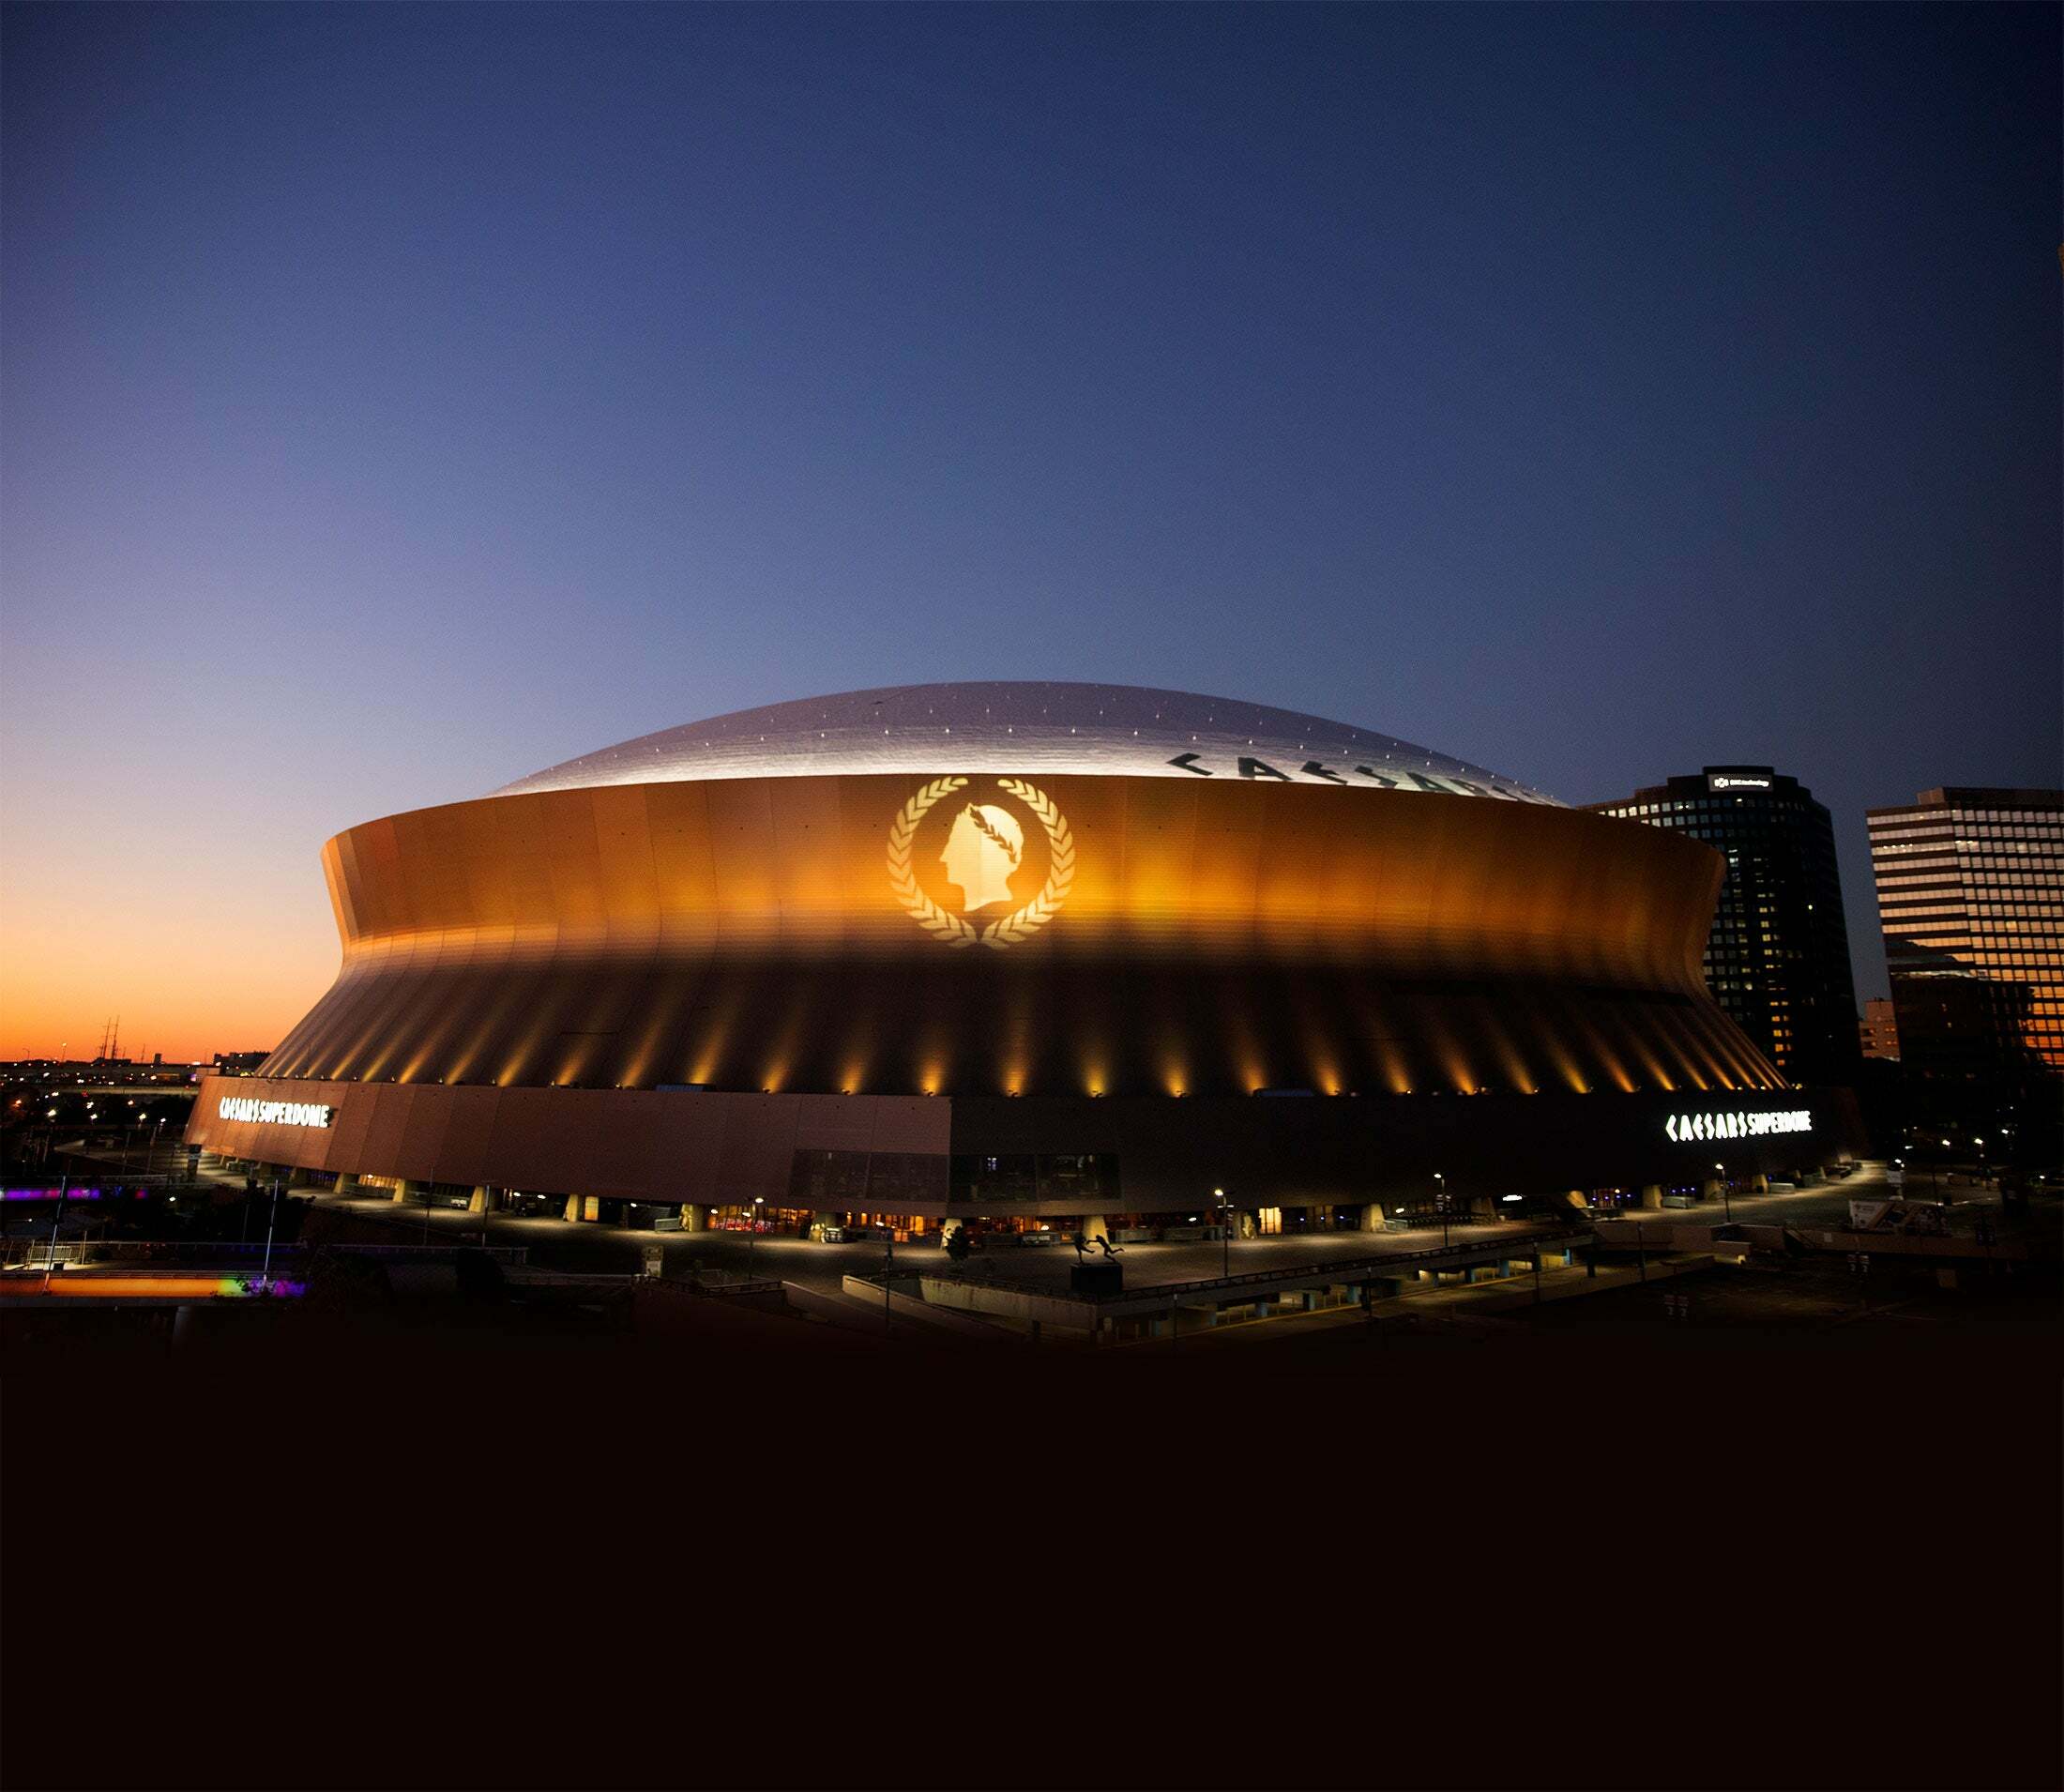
1996,872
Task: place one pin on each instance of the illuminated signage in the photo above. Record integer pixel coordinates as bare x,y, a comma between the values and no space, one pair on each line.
57,1194
985,859
242,1108
1735,780
1694,1128
1363,777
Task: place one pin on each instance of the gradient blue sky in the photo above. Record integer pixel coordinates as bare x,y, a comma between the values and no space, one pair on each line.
398,400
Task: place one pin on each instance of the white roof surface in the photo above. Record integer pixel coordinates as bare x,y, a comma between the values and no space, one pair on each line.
1113,730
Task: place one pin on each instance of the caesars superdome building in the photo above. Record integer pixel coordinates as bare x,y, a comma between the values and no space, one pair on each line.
1029,952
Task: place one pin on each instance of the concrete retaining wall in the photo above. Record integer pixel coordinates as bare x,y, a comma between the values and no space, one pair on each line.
838,1308
1013,1305
909,1307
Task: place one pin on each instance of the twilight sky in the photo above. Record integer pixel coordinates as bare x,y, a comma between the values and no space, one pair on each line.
395,401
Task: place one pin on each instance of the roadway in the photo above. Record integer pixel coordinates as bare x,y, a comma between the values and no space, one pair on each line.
561,1243
582,1246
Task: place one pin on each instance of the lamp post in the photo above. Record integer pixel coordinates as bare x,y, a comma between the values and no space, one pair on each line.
1981,1144
49,1261
1226,1234
1726,1200
889,1278
1440,1201
753,1233
264,1275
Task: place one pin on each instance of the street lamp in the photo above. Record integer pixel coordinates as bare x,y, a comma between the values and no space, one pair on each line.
264,1275
752,1234
49,1261
1726,1201
888,1273
1225,1233
1440,1201
1981,1144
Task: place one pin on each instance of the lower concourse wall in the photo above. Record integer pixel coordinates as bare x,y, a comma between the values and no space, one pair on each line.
911,1153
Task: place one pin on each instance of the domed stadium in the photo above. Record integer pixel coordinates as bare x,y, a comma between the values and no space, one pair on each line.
1015,951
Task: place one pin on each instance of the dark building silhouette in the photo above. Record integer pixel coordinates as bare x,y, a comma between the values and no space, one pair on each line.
1776,961
1878,1028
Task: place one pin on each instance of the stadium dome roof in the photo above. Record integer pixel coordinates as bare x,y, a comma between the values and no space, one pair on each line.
1110,730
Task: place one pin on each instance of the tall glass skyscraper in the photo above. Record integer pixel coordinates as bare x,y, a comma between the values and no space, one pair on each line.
1970,894
1778,957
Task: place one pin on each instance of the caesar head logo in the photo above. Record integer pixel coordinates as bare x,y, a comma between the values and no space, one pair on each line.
975,880
984,849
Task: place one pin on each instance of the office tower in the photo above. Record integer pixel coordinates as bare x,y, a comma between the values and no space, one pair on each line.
1970,894
1778,957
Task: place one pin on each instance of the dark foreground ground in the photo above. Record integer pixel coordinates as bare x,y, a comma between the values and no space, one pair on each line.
1778,1542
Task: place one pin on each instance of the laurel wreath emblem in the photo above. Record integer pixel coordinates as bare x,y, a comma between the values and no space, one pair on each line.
952,928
